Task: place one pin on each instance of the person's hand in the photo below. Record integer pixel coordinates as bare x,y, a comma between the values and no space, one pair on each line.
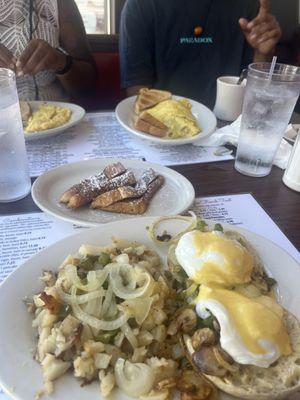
7,59
263,32
39,56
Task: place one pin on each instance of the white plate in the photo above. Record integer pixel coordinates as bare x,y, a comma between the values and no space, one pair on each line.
21,376
206,120
77,115
174,197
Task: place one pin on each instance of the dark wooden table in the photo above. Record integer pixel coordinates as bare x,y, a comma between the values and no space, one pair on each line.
220,178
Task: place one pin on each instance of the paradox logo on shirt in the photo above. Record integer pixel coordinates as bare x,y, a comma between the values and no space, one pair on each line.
198,30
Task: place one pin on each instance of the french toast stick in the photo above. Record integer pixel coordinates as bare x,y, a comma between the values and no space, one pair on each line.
109,172
140,205
94,189
125,192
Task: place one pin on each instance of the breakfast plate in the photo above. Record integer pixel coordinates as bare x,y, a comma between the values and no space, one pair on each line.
176,195
205,118
21,376
77,115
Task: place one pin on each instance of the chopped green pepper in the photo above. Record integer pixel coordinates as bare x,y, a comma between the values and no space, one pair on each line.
105,284
87,263
104,259
218,227
107,337
201,225
205,323
64,311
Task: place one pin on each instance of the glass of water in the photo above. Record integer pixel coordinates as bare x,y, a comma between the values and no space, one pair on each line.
268,105
14,176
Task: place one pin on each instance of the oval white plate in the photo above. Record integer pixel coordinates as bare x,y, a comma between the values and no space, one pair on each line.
174,197
77,115
206,120
21,376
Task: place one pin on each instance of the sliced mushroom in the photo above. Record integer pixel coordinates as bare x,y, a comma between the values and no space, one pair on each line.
205,360
203,337
185,321
193,387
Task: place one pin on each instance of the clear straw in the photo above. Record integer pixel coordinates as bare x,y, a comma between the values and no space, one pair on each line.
272,68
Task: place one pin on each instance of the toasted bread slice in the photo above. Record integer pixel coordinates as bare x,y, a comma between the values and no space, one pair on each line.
25,112
145,122
140,205
276,382
109,172
148,98
125,192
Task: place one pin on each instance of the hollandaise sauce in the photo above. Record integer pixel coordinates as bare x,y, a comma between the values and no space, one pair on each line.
223,261
258,322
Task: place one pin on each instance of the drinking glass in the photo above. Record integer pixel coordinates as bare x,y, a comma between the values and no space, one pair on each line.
14,176
268,105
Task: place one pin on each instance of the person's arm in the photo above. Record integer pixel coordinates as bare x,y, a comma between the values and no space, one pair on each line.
39,55
262,32
73,39
137,46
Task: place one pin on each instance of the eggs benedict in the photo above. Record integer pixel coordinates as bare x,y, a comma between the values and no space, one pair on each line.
213,258
251,330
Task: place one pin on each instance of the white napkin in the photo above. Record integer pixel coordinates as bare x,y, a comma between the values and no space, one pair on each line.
230,134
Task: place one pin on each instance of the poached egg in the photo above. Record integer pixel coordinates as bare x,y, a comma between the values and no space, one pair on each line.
213,258
251,330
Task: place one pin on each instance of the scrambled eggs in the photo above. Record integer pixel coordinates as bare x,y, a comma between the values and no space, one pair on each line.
176,115
47,117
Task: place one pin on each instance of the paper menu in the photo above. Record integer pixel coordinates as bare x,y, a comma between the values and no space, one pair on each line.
100,135
232,209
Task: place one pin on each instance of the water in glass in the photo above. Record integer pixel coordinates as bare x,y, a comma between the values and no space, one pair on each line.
14,177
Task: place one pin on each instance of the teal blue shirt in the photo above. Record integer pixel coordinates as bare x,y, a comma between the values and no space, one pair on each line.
158,45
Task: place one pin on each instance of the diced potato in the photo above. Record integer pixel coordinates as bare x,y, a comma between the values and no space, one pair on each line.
156,395
102,360
84,367
53,367
145,338
107,383
163,368
139,354
92,347
159,333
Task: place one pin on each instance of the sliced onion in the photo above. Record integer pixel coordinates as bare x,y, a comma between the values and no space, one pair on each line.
95,279
107,300
80,299
124,292
154,226
130,335
134,379
137,308
93,321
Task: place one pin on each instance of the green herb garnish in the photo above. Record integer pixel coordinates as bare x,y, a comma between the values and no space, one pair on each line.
201,225
218,227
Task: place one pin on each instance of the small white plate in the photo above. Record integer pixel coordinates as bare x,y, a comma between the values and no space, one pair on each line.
206,120
77,115
21,376
174,197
